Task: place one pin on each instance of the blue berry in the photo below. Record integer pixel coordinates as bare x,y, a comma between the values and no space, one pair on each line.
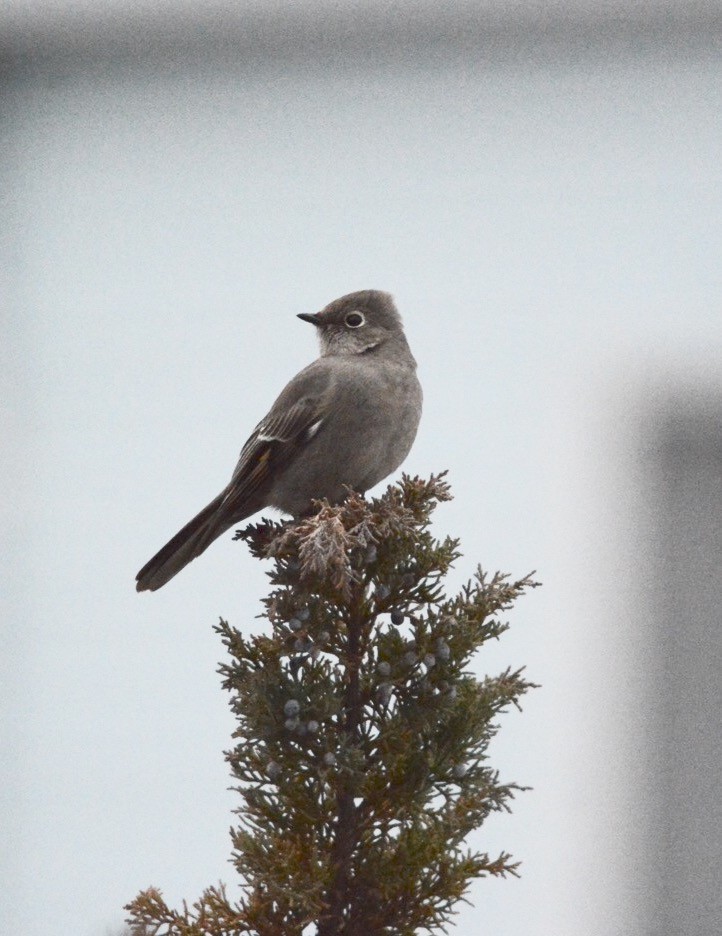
384,693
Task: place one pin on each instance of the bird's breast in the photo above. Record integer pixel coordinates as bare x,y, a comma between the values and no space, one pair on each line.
369,425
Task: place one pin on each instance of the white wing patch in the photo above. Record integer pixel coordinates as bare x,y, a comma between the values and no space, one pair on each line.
267,436
313,429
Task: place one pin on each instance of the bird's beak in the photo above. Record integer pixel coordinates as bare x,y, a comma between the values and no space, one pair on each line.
312,317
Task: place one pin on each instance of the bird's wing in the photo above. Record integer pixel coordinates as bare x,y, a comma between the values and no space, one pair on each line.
294,419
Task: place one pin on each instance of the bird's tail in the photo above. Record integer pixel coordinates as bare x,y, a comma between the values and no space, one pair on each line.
195,537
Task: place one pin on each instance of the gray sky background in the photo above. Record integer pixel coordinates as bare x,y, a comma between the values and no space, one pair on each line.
551,228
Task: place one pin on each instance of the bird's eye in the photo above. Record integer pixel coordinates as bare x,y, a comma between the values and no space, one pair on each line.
354,320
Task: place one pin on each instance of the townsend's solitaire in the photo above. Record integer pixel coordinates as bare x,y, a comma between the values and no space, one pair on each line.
346,421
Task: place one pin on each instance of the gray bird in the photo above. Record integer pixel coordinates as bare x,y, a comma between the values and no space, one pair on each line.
346,420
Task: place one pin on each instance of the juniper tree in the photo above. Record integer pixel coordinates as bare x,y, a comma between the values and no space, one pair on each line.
361,749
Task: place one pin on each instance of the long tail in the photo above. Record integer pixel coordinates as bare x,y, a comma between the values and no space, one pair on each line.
195,537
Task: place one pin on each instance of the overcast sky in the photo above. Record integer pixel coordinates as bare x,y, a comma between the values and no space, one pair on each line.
550,225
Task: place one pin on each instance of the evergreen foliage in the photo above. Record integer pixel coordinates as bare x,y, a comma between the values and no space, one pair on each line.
361,748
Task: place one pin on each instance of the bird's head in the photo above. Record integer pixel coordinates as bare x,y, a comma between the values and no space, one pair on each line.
356,323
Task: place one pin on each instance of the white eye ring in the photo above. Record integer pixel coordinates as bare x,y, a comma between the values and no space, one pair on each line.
355,320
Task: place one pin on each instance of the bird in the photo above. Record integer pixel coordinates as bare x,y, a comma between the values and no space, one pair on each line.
343,423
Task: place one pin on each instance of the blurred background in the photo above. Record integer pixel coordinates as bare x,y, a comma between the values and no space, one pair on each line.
540,186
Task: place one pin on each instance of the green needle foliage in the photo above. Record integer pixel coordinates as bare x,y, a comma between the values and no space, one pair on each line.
361,747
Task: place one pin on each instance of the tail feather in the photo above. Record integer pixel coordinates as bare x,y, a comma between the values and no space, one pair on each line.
195,537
